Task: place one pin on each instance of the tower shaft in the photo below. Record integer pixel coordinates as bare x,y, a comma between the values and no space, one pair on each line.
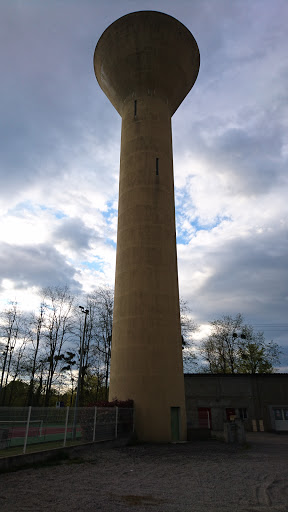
146,360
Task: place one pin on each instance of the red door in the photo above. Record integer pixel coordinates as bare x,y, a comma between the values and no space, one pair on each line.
204,417
230,412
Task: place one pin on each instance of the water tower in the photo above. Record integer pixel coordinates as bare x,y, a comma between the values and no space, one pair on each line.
146,63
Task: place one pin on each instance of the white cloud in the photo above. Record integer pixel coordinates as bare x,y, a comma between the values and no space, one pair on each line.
59,161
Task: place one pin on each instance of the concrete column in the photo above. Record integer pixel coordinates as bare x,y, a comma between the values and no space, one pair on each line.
147,367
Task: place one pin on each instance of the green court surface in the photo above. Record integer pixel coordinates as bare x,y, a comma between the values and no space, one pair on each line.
39,436
37,447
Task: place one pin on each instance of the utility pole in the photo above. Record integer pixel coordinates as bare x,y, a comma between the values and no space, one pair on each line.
86,312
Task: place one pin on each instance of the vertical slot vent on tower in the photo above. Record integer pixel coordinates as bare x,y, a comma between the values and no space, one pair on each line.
157,166
135,108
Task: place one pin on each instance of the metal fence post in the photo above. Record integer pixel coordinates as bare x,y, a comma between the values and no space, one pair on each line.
66,425
41,428
94,426
116,423
27,428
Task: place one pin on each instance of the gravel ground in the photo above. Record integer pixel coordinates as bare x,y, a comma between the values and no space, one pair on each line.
201,476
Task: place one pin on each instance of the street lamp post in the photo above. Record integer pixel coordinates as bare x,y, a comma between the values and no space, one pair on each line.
86,312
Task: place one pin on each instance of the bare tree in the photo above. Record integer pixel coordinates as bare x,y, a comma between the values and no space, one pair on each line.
9,334
255,354
104,300
69,364
220,348
188,329
233,347
36,330
58,330
97,343
16,373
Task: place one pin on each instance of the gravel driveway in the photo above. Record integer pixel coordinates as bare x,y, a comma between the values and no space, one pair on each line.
201,476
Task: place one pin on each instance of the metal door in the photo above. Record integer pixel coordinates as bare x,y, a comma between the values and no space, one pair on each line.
175,424
204,417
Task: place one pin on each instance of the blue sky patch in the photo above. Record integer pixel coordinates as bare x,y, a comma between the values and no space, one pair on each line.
97,264
184,235
31,207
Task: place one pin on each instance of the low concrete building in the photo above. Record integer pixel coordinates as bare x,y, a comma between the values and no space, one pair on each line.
259,400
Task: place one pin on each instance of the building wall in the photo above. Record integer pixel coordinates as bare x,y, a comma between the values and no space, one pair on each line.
262,398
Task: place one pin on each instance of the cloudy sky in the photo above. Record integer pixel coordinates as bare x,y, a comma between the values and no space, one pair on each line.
60,147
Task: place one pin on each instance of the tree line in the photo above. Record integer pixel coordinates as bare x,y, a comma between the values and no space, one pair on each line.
234,347
40,351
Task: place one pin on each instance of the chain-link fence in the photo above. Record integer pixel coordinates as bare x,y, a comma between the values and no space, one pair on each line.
25,426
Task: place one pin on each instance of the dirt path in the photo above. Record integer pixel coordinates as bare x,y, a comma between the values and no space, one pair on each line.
196,477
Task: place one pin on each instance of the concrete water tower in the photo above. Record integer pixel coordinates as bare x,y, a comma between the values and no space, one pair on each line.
146,63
